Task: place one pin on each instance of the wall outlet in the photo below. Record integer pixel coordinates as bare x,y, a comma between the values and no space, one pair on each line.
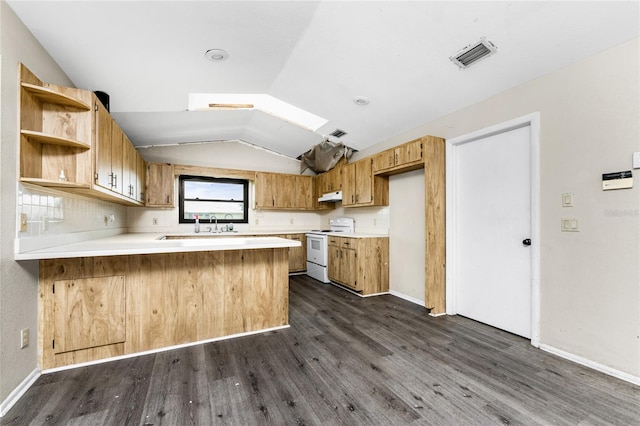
45,223
154,221
291,221
24,338
23,222
257,222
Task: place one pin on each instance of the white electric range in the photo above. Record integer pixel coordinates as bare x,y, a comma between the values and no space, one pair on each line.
318,248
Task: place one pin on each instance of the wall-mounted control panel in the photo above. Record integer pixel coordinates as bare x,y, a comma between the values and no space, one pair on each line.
617,180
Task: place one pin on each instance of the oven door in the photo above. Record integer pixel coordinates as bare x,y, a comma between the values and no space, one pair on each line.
317,249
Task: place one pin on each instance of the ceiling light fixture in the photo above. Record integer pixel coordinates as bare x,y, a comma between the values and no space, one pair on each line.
216,55
361,100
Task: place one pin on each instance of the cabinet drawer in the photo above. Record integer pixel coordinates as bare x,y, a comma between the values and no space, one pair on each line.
334,241
348,243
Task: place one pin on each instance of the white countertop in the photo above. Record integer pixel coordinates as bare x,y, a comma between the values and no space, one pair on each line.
150,243
352,235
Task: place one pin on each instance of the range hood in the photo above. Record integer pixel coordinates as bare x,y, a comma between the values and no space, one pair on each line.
331,197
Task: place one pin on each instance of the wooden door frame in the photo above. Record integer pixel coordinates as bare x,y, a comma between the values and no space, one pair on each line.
533,122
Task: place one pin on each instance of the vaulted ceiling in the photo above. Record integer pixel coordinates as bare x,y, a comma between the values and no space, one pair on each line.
316,55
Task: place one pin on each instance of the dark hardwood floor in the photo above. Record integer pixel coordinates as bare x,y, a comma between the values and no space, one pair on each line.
344,361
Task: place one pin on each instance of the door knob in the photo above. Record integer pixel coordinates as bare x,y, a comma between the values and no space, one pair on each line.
526,242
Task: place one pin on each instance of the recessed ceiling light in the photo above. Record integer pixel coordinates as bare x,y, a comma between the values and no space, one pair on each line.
361,100
216,55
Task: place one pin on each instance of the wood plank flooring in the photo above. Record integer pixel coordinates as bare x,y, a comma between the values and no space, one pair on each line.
344,361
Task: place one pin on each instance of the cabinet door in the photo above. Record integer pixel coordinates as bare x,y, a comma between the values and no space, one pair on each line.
384,160
408,153
88,312
297,255
117,158
129,163
304,192
349,268
334,259
283,191
102,146
159,188
349,185
363,182
264,187
141,173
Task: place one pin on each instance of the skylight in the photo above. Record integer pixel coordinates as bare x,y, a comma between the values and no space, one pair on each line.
262,102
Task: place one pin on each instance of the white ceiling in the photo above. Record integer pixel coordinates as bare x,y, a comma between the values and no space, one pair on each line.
316,55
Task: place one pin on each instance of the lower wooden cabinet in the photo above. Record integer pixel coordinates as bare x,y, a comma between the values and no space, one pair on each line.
297,255
362,264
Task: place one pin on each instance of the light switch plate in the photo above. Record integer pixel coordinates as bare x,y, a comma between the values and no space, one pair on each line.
636,160
570,225
567,199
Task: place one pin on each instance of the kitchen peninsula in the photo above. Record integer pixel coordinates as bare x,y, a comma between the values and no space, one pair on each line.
133,293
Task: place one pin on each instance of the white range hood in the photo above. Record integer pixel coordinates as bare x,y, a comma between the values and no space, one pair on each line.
331,197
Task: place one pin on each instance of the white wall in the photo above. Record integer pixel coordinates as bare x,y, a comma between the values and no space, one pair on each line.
407,235
590,281
19,280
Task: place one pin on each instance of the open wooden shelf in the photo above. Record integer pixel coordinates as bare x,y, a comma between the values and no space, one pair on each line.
53,97
55,183
40,137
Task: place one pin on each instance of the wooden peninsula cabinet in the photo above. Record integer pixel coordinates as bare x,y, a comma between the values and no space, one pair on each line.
361,264
92,308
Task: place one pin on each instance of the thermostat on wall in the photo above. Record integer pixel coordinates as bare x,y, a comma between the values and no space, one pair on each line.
617,180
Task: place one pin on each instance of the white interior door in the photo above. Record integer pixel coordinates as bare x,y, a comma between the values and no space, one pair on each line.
492,220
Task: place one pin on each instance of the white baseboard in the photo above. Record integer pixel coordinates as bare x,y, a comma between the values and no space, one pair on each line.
163,349
407,298
592,364
17,393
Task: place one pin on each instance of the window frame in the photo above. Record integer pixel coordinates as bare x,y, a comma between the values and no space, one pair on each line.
181,199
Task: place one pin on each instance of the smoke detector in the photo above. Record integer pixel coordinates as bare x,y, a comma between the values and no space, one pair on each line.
473,53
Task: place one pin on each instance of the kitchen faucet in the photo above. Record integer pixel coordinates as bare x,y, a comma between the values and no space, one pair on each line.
214,216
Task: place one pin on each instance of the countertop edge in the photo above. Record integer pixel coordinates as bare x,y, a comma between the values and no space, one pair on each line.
141,244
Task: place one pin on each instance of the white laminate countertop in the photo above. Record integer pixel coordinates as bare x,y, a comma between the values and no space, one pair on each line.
150,243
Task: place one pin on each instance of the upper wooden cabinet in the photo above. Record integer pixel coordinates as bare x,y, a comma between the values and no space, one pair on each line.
361,188
69,141
55,134
159,188
400,159
278,191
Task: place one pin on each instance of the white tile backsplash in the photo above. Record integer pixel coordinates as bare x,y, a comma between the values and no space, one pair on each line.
64,214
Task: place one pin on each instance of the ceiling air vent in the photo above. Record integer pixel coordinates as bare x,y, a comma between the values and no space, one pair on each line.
473,53
338,133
